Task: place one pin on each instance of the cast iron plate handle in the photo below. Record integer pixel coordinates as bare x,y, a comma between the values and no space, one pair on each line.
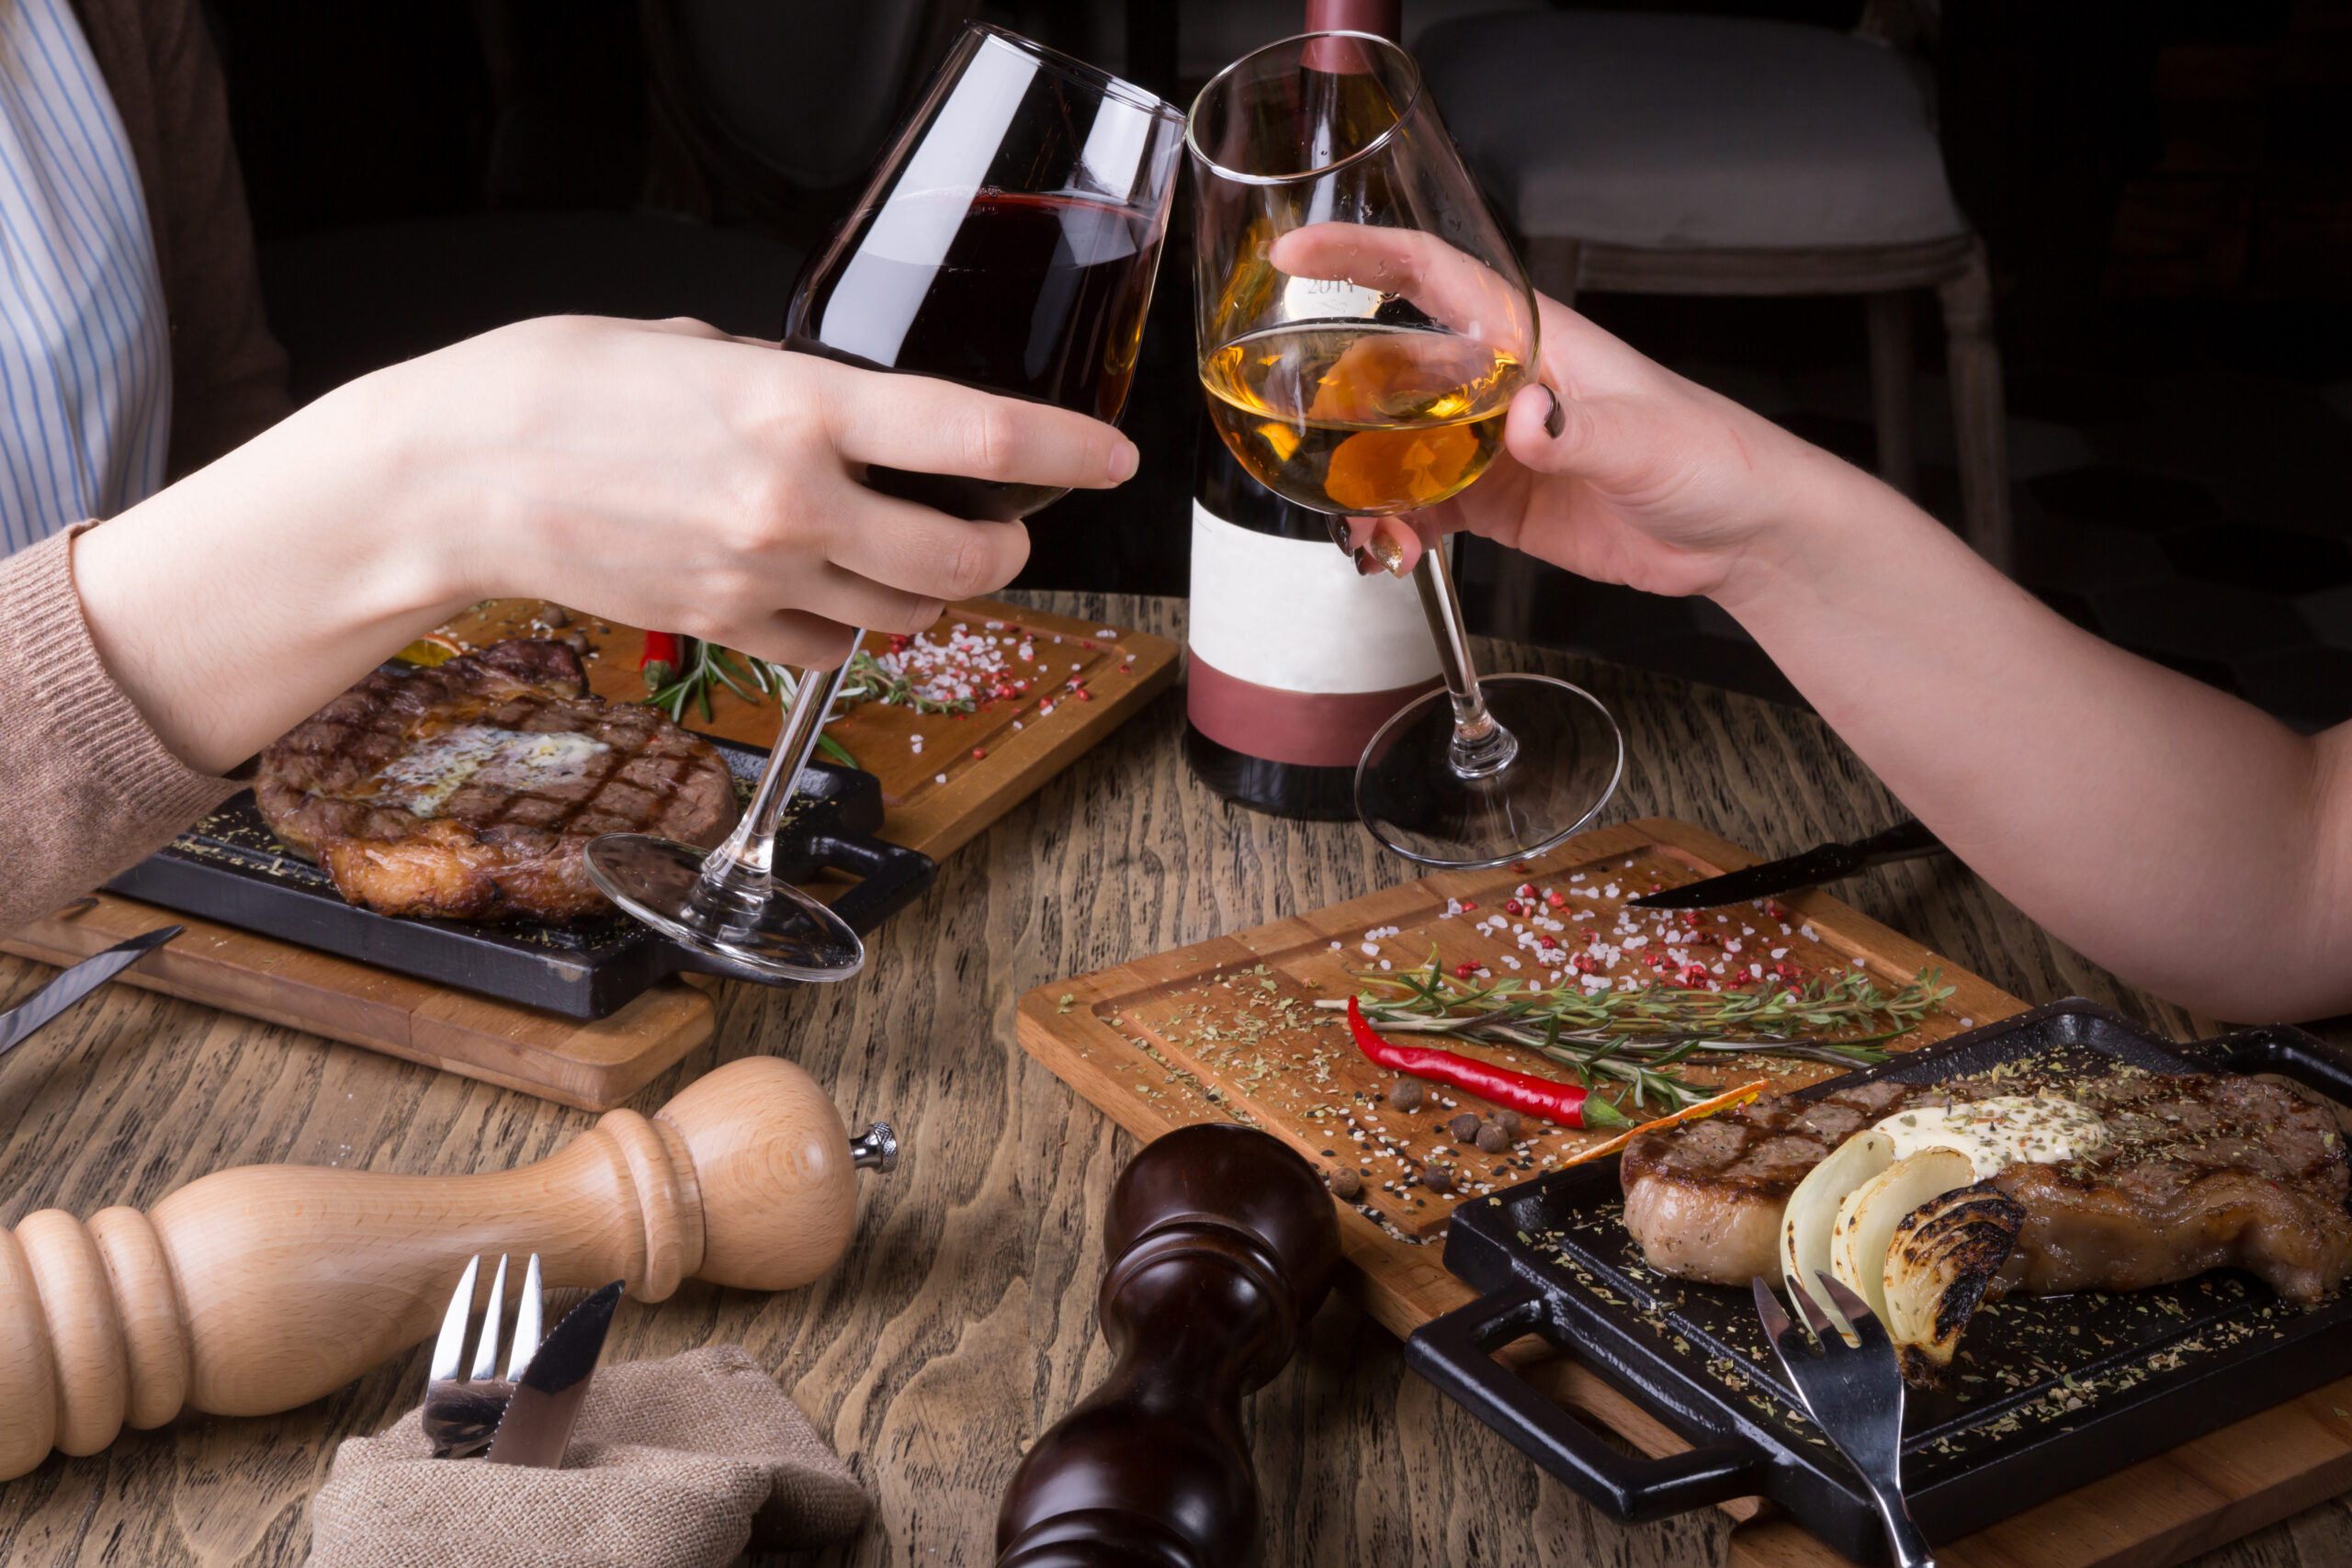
1451,1352
890,876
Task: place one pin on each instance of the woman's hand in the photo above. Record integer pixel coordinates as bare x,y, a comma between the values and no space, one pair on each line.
662,474
665,474
1614,466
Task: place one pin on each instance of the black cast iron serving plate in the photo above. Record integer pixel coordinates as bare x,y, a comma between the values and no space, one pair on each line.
2053,1392
231,868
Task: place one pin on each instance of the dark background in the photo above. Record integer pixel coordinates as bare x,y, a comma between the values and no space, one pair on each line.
2164,187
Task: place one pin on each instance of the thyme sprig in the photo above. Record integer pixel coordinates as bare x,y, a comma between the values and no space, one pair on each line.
1634,1038
869,680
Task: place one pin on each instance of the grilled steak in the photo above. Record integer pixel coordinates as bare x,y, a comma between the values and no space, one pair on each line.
2197,1173
468,791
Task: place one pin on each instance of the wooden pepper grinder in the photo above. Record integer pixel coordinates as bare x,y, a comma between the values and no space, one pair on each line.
262,1287
1222,1243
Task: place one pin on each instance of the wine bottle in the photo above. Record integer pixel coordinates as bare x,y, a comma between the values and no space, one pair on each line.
1295,660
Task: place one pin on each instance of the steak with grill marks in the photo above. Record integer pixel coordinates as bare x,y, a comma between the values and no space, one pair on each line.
2198,1172
467,791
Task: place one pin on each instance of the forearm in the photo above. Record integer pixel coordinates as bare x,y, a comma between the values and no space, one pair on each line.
2170,832
235,602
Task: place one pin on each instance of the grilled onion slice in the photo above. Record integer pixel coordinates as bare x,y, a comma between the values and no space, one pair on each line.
1812,1212
1938,1262
1869,1215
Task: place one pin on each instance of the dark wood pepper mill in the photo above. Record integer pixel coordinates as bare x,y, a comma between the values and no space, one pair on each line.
1222,1243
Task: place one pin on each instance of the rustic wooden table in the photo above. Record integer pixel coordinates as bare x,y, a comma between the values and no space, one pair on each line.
961,1321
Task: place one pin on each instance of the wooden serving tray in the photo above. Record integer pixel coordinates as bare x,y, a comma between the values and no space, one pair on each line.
989,761
1129,1039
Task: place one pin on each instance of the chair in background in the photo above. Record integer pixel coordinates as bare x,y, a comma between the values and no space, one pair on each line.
1671,154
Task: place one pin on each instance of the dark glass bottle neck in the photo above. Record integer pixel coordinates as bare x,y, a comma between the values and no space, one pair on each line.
1224,487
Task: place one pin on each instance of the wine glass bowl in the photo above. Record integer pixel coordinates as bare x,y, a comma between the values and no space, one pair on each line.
1008,242
1363,327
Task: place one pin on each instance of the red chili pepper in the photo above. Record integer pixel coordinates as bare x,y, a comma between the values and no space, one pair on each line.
661,648
1523,1092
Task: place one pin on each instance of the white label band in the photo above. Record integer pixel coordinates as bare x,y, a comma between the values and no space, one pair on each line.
1292,613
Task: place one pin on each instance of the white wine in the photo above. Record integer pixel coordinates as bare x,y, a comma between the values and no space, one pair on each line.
1360,418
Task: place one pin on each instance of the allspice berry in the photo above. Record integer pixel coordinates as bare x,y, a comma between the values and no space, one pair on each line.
1346,1185
1509,1122
1437,1178
1492,1139
1405,1094
1464,1127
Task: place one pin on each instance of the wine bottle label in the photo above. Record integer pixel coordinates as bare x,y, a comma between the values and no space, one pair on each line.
1295,658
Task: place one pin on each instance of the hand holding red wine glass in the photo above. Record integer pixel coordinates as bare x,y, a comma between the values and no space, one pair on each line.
1009,241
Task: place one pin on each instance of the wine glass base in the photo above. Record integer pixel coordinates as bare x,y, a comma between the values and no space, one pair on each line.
751,921
1569,759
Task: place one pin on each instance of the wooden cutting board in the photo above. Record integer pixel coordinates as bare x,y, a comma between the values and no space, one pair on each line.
1227,1029
938,792
945,776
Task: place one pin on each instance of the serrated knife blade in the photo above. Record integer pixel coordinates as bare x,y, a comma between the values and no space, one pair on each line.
71,986
548,1396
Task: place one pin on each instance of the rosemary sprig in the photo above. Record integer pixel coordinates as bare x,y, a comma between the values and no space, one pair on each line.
1633,1038
705,664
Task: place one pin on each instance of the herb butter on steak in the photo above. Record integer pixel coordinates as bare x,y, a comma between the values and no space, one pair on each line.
2195,1173
467,791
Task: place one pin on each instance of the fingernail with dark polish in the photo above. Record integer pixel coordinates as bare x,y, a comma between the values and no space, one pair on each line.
1366,562
1558,419
1340,536
1388,552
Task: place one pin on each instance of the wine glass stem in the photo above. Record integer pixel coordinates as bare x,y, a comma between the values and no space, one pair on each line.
749,852
1481,746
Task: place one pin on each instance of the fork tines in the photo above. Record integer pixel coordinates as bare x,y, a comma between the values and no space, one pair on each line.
462,1413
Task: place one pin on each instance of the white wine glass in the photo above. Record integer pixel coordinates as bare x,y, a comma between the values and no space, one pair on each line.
1363,325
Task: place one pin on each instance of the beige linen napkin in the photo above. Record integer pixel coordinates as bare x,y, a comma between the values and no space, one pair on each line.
674,1464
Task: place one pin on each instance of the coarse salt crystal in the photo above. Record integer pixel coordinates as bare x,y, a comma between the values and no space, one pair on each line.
1372,950
939,778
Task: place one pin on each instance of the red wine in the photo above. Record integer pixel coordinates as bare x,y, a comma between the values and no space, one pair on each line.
1036,296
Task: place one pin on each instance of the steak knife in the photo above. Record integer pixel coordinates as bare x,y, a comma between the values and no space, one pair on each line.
1907,840
76,983
549,1394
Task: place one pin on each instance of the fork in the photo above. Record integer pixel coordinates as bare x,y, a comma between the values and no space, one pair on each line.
1854,1393
461,1414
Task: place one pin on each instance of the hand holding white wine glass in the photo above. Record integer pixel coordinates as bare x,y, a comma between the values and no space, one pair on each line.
1008,242
1363,328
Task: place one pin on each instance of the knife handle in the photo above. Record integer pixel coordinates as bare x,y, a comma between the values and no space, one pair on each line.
1222,1243
256,1290
1907,840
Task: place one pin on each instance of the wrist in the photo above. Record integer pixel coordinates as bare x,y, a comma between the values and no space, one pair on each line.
1803,534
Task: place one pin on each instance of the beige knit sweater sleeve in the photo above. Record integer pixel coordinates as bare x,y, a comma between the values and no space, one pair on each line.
86,786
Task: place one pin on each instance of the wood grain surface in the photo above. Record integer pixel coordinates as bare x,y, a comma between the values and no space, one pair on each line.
960,1323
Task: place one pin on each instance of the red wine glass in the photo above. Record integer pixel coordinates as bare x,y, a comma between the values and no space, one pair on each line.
1008,242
